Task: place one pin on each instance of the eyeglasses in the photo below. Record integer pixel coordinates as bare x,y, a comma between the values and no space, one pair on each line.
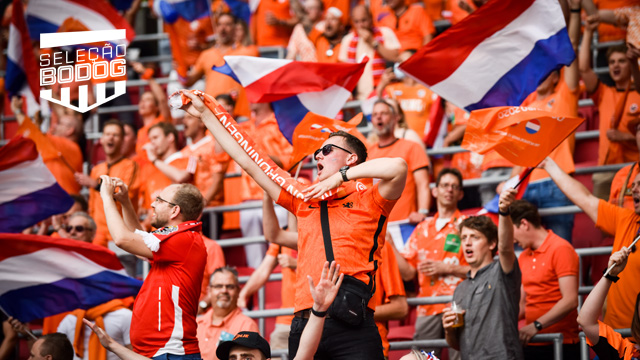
77,228
159,199
220,286
453,187
327,149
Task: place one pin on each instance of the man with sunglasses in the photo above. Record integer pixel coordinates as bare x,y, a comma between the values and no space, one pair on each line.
164,313
355,222
225,318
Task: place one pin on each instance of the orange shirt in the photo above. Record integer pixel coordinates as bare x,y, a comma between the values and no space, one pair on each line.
270,141
182,34
142,139
217,83
611,342
154,180
416,159
606,98
388,283
411,27
357,228
210,335
541,270
618,183
565,102
622,294
427,242
215,259
325,52
415,102
129,172
271,35
209,162
288,292
608,32
61,167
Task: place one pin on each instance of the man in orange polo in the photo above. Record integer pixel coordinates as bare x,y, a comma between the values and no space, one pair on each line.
433,254
115,165
328,43
215,82
166,164
410,23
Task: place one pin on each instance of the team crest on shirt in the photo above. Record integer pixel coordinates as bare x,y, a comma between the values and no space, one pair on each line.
550,103
633,108
166,230
422,93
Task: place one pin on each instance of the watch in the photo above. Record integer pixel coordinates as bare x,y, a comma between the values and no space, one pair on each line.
537,324
343,171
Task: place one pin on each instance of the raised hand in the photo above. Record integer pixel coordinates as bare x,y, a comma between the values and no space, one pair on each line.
325,292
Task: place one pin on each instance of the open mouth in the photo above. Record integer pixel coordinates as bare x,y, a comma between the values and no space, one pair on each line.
320,167
468,253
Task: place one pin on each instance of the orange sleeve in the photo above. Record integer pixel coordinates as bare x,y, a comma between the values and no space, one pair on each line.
607,218
384,204
273,250
565,261
390,274
617,184
426,25
597,95
288,201
417,158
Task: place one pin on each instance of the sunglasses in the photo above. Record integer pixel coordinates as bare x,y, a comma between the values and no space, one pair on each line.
77,228
159,199
327,149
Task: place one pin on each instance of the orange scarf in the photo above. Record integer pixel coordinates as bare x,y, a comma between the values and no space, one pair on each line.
96,351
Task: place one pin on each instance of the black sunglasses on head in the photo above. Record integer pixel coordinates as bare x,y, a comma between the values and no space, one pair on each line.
78,228
327,149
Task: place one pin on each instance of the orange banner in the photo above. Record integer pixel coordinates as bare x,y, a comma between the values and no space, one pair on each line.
522,135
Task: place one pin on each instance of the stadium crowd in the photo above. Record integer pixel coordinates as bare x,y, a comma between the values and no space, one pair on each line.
147,187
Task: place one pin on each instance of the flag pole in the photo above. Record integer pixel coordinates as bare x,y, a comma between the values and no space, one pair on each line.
27,330
526,175
298,170
614,264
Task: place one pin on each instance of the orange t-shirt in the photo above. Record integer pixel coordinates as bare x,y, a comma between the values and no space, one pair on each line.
415,102
541,270
217,83
411,27
271,35
606,98
618,183
608,32
388,283
357,228
71,157
269,141
125,169
426,242
154,180
416,160
325,52
215,259
287,292
209,162
565,102
615,343
209,335
142,139
182,33
622,294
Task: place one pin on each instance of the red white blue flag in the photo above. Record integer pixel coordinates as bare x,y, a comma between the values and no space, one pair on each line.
496,56
190,10
28,191
42,276
294,88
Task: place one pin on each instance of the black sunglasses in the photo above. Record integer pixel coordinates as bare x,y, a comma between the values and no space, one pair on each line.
78,228
327,149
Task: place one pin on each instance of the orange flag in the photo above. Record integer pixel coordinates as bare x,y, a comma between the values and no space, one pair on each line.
522,135
314,129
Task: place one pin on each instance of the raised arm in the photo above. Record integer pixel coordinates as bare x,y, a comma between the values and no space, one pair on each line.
124,238
584,56
257,279
198,109
108,343
129,215
571,73
633,54
392,173
273,233
157,91
573,189
506,252
590,311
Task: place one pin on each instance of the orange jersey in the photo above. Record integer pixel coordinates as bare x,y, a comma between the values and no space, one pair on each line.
415,102
142,139
270,141
388,283
217,83
565,102
325,52
288,290
619,183
154,180
215,259
428,243
606,98
611,342
358,224
416,159
411,27
271,35
622,294
209,163
125,169
182,34
541,270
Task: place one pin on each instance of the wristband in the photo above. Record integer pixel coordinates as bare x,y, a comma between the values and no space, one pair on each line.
505,213
576,10
537,324
610,277
147,74
343,172
424,212
320,314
